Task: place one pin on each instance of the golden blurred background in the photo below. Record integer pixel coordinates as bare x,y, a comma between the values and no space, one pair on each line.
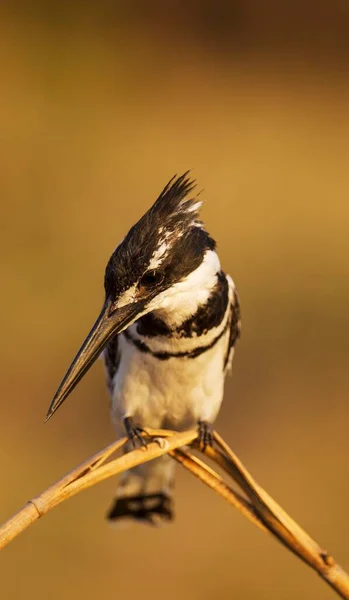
101,103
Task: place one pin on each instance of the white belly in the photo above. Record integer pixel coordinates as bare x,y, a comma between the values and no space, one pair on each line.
173,393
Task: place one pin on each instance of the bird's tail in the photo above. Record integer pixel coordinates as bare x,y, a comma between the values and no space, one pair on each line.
144,494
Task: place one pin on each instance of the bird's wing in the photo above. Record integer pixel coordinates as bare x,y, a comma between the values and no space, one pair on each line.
111,356
235,327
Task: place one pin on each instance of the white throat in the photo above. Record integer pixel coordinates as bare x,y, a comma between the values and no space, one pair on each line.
183,299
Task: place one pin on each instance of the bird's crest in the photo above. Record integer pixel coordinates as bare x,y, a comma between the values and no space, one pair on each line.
175,206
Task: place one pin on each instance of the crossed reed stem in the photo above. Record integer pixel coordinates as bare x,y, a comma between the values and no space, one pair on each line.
254,502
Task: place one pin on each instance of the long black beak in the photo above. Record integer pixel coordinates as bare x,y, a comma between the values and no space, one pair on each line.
108,324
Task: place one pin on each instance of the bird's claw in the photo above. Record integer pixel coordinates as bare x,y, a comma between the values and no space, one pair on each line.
205,435
134,433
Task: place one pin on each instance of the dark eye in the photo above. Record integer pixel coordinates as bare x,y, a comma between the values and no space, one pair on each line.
151,278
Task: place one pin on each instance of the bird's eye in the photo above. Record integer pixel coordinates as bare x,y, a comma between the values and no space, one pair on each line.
151,278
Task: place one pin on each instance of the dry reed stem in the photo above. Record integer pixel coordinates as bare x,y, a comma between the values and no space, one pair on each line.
279,522
84,476
260,509
214,481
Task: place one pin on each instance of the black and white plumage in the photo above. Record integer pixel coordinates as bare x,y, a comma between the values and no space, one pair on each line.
168,328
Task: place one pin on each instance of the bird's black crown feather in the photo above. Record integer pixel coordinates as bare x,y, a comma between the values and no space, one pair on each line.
173,219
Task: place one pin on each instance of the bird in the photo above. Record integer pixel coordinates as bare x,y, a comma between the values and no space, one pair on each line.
167,333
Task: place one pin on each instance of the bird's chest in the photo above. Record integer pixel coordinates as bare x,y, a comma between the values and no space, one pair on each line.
166,385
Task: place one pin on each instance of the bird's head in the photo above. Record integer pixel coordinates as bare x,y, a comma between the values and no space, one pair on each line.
165,260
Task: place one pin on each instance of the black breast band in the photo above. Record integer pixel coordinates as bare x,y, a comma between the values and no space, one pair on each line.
166,355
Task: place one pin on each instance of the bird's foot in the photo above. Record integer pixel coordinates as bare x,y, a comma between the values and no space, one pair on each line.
205,435
134,433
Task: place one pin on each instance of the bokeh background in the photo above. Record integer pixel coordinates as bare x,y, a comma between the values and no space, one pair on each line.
100,104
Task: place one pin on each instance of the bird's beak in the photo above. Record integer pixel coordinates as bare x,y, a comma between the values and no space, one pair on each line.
109,323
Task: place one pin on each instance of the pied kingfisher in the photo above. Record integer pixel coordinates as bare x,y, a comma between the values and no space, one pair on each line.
167,330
